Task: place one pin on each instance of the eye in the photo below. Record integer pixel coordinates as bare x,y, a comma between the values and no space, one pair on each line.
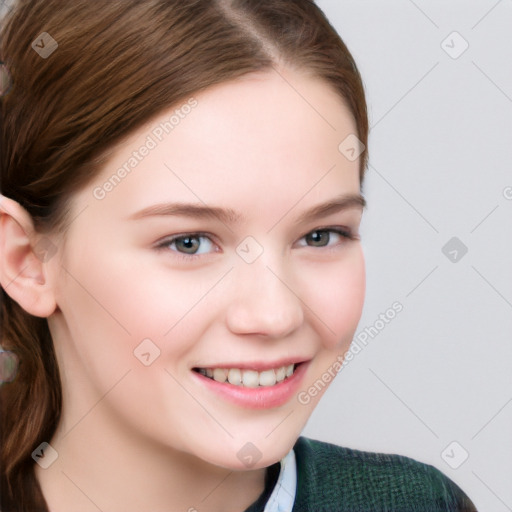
326,237
318,238
191,244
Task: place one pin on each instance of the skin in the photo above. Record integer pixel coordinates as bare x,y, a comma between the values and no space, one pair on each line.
137,438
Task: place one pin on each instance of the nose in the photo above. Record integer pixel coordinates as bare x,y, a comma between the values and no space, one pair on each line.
264,302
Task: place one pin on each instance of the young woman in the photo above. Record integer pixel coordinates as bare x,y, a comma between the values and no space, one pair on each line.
180,260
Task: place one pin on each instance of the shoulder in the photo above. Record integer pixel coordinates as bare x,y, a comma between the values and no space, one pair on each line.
332,478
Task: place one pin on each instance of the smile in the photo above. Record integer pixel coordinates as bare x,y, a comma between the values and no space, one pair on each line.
257,386
248,378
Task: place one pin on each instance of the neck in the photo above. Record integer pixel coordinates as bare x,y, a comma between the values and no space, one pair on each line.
103,468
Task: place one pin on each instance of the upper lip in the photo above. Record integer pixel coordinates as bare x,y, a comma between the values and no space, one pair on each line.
259,366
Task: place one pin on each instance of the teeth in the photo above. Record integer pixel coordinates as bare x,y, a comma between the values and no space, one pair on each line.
248,378
235,376
267,378
220,374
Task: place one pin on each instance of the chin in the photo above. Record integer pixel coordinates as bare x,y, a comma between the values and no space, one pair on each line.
237,455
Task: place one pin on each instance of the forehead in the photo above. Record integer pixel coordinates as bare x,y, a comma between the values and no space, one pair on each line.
254,143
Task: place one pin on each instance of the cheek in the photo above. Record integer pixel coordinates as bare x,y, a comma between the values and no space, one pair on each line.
335,296
107,310
132,299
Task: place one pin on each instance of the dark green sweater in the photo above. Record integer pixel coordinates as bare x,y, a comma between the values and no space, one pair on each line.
335,479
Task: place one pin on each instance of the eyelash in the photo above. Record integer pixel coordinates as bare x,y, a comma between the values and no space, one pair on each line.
165,244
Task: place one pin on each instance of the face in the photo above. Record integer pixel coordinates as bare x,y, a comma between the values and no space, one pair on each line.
228,248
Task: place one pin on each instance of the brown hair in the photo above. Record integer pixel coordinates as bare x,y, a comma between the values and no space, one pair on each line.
117,65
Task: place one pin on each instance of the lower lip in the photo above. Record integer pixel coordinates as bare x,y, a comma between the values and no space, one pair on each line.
262,397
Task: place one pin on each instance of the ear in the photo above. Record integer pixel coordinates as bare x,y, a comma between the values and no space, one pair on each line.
24,256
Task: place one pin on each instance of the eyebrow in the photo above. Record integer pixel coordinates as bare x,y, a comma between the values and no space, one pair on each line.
230,216
335,205
194,210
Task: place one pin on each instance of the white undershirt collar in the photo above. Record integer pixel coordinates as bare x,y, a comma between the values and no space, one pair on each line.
283,495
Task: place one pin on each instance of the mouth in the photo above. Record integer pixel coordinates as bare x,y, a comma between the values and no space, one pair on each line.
256,385
249,378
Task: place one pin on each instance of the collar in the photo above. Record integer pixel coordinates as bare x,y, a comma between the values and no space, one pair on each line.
283,495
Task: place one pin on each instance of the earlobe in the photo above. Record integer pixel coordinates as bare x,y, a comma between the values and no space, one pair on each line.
23,258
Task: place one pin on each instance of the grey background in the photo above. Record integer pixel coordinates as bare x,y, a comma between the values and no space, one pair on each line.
440,165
